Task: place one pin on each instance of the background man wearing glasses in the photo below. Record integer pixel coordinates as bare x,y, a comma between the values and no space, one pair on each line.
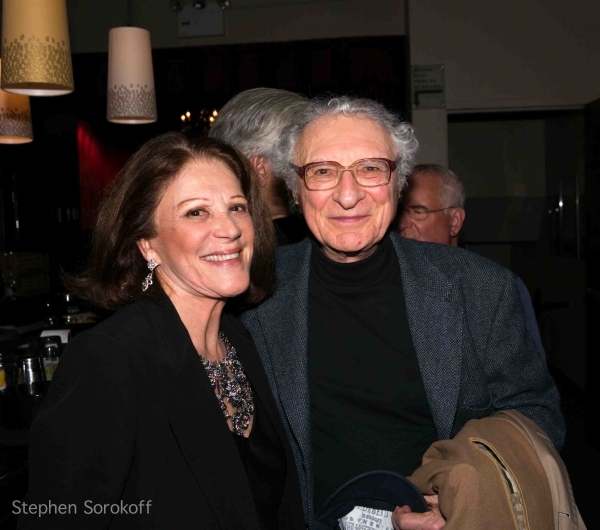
432,206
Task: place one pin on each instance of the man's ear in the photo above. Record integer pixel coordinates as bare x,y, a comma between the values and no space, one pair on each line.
456,221
147,251
263,168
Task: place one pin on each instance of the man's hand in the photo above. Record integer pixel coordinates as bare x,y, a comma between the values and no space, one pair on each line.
404,519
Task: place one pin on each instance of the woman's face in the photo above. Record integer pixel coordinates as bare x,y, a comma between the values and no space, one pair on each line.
204,235
349,220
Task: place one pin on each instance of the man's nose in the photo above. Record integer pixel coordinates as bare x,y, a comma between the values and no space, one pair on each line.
348,193
403,220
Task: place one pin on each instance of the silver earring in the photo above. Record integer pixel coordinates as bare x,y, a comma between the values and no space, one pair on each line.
148,279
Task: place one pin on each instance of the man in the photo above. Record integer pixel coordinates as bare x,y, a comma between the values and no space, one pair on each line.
432,206
432,210
376,346
253,122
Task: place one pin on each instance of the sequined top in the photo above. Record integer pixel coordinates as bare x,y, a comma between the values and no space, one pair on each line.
261,452
231,385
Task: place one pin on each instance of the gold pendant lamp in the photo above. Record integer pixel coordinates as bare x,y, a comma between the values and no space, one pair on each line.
15,118
36,54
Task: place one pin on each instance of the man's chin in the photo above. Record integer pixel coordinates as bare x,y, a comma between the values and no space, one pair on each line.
348,251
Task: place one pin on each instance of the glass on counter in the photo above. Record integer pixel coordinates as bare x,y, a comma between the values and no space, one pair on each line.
50,350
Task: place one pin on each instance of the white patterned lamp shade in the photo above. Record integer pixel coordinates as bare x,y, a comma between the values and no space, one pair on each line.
15,118
35,48
130,94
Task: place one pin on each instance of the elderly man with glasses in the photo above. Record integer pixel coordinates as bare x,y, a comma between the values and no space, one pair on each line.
432,206
376,346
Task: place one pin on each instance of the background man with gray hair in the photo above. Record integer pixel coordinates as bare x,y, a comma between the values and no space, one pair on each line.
253,122
432,206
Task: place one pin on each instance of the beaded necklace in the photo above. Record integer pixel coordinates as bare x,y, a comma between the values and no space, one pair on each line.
228,379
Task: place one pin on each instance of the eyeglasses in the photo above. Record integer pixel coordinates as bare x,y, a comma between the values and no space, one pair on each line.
420,213
368,172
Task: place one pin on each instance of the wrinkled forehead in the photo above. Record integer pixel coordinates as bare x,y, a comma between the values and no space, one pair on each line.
423,189
343,139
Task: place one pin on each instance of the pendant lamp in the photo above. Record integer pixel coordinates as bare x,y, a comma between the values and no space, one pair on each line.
15,118
130,92
35,48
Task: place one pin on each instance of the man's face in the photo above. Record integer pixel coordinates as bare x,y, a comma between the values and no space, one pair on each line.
349,220
424,191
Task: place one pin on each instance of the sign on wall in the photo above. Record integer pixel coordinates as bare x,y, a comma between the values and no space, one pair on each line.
428,84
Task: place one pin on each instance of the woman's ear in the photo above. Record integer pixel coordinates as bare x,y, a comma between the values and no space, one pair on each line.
146,250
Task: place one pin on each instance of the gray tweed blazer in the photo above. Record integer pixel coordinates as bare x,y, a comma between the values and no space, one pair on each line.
468,328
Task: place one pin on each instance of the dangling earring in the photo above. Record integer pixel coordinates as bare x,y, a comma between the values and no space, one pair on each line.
148,279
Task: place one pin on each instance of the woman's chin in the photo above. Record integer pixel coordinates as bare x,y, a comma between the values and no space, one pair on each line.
232,290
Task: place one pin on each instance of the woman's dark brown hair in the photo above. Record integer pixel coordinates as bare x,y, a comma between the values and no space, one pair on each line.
116,267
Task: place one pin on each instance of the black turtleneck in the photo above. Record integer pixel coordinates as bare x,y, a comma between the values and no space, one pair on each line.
368,404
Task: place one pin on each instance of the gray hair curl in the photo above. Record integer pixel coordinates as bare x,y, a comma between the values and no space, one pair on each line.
452,192
402,133
253,120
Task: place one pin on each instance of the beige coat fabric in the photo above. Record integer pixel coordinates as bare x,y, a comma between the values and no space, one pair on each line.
501,473
566,513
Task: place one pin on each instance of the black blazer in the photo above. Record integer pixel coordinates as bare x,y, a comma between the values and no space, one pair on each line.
131,417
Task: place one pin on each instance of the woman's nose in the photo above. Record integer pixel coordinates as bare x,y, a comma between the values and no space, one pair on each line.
348,192
227,227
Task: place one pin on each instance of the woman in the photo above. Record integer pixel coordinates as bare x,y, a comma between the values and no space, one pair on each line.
378,346
161,416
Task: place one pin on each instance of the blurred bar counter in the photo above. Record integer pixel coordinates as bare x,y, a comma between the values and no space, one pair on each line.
22,321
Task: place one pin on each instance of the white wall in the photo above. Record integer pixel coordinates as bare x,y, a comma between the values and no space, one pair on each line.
245,21
512,54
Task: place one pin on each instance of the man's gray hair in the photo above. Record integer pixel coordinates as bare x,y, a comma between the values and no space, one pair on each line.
452,192
253,120
402,133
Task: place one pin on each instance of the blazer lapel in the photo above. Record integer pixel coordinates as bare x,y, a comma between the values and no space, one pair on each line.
285,315
197,421
436,325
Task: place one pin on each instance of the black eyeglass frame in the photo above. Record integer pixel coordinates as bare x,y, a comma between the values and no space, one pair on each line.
301,170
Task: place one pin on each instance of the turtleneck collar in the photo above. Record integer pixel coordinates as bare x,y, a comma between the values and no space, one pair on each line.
357,275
